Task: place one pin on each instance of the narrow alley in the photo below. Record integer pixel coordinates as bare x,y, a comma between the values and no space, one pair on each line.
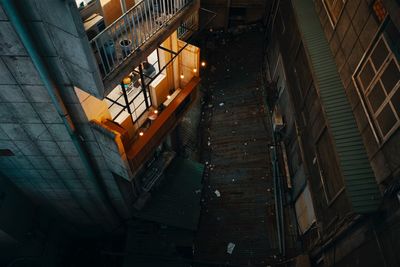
238,199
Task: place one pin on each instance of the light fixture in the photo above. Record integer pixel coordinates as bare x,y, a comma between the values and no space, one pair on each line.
141,133
194,70
156,111
182,76
203,63
168,96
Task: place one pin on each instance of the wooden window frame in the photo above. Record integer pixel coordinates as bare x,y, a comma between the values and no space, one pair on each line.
365,92
329,199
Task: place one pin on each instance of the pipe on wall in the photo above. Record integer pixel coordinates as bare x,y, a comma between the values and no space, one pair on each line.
53,91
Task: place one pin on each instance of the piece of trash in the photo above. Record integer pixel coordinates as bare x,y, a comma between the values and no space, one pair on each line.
221,104
227,69
206,162
230,247
210,105
208,143
268,189
233,180
217,193
197,191
245,144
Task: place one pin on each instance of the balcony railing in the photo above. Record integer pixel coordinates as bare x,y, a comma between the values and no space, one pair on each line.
128,33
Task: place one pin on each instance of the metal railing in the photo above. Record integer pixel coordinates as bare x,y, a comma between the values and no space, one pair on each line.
125,35
188,26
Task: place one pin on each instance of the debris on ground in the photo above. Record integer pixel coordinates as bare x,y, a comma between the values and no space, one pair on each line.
221,104
217,193
230,247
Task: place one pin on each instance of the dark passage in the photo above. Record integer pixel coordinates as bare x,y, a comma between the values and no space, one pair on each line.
236,137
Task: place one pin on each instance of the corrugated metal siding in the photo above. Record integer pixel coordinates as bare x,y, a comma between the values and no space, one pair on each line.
359,177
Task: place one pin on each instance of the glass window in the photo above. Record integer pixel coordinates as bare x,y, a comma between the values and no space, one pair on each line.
332,180
379,80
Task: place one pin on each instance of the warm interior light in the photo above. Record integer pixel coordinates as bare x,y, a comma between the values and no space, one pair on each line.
203,64
155,111
168,96
182,76
194,70
141,133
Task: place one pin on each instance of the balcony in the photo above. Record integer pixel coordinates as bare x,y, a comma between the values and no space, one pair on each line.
127,39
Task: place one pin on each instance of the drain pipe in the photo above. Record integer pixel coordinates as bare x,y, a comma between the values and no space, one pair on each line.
53,91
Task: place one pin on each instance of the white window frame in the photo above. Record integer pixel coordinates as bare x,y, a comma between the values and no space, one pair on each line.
365,92
329,13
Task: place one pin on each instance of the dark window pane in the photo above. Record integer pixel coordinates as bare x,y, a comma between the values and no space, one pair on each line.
376,97
390,76
329,166
379,54
366,75
386,119
396,102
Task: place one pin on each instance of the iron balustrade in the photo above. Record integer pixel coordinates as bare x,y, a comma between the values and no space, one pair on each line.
188,26
125,35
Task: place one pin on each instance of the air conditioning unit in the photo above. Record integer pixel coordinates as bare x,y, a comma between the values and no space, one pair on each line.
277,120
94,25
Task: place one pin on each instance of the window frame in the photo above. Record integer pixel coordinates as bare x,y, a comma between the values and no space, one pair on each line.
328,198
330,13
364,93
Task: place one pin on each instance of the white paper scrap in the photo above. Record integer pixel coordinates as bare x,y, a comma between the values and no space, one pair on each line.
230,247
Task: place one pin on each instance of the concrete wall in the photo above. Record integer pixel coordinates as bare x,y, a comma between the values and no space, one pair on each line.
16,214
46,164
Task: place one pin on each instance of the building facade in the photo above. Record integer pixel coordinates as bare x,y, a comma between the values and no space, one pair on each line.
333,74
90,99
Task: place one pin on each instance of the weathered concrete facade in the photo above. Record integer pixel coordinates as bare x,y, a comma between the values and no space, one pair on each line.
60,157
314,151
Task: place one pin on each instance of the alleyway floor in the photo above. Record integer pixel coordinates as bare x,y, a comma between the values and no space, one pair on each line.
238,198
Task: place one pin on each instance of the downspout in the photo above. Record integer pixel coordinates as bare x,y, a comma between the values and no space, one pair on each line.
53,91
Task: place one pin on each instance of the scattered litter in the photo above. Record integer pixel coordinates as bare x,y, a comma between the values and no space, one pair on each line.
227,69
206,162
198,191
233,180
221,104
217,193
268,189
210,105
245,144
230,247
208,143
